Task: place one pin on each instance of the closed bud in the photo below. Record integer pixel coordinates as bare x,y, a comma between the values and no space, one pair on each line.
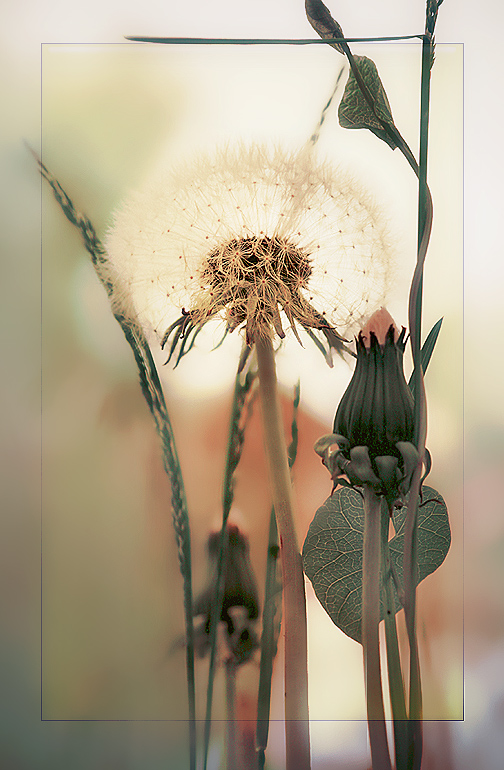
240,605
376,415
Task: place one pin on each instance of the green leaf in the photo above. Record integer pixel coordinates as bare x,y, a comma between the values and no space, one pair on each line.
332,552
426,352
355,111
323,23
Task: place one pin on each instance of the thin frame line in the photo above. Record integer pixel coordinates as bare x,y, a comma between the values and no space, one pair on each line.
265,41
41,399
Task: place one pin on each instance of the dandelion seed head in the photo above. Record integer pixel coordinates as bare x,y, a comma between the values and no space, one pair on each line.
260,238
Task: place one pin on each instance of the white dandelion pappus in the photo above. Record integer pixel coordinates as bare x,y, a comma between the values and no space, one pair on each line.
258,237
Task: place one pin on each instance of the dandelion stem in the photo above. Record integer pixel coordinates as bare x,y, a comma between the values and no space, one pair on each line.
272,611
370,638
297,738
396,682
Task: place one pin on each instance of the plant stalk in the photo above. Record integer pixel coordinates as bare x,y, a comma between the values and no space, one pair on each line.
415,730
297,736
415,318
153,394
233,759
380,757
233,454
270,629
395,677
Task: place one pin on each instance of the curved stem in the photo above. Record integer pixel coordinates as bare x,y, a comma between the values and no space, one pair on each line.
297,738
415,316
370,637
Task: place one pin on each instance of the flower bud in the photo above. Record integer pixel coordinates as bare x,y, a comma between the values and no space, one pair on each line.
375,414
240,603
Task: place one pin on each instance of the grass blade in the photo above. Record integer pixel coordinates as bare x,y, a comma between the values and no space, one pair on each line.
426,352
153,394
242,401
271,622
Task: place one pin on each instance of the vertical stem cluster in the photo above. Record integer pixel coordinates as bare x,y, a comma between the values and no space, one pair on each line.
295,633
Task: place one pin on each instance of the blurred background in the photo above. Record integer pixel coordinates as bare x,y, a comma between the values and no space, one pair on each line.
93,680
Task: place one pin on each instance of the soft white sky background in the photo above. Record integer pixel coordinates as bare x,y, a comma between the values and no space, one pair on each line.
25,24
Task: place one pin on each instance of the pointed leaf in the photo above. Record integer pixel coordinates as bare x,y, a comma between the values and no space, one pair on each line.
356,112
332,552
426,352
323,23
434,536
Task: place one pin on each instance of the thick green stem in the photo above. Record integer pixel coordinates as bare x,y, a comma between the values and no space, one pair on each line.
370,636
297,736
395,677
415,729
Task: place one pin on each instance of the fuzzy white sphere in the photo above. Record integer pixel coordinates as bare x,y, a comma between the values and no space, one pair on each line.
185,240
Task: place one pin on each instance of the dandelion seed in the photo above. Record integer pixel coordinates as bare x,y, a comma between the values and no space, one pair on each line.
258,238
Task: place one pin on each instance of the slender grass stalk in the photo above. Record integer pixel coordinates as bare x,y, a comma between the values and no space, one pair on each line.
395,677
233,758
370,624
415,321
233,454
297,738
261,40
215,614
316,133
153,394
269,636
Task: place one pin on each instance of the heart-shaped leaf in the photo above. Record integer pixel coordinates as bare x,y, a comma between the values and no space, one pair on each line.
332,552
